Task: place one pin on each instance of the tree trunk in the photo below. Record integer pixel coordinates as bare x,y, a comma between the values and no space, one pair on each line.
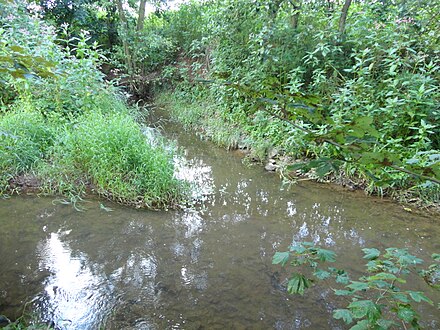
294,20
121,13
343,18
124,24
141,17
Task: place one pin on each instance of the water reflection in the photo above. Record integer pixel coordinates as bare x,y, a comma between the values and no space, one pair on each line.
204,267
193,222
198,174
194,278
74,297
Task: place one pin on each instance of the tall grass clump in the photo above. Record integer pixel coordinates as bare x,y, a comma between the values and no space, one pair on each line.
110,154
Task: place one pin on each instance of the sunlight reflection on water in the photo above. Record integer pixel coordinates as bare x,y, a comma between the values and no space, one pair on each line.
74,297
207,266
198,174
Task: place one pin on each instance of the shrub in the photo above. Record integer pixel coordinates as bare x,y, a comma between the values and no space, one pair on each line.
380,298
70,129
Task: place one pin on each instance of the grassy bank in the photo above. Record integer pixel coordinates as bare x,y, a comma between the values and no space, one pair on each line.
101,153
64,130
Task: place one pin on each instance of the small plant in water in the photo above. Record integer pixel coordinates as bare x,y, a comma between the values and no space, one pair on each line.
379,299
27,321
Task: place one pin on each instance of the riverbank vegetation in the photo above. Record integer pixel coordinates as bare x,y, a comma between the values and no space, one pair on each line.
66,131
345,91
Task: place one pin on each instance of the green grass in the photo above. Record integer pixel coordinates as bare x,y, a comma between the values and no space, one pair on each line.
25,139
111,153
202,116
101,152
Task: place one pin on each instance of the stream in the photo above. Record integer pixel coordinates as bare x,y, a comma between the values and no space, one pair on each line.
207,267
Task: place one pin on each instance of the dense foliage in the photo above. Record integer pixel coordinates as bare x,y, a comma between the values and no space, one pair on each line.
342,90
64,130
359,97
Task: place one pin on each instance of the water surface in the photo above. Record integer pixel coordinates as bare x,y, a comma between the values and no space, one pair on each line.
207,267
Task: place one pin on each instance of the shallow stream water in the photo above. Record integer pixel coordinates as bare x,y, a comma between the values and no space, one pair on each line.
207,267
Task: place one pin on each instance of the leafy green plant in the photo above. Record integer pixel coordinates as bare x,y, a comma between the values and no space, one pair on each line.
25,139
75,134
379,299
364,105
28,320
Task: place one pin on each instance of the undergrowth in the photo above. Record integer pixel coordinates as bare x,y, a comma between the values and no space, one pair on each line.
261,133
65,131
107,154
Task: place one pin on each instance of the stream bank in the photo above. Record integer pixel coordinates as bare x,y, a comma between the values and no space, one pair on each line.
201,115
203,267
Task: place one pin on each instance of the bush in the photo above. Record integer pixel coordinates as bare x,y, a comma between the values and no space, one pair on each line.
380,298
363,103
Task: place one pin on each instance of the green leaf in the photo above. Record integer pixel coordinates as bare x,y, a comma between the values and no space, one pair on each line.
359,308
389,266
371,157
358,286
297,284
326,255
341,275
406,313
392,70
361,325
419,296
303,166
386,324
380,284
371,254
344,314
297,248
343,292
280,258
322,166
323,169
342,279
362,308
403,257
436,256
382,276
400,297
364,121
362,125
321,274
